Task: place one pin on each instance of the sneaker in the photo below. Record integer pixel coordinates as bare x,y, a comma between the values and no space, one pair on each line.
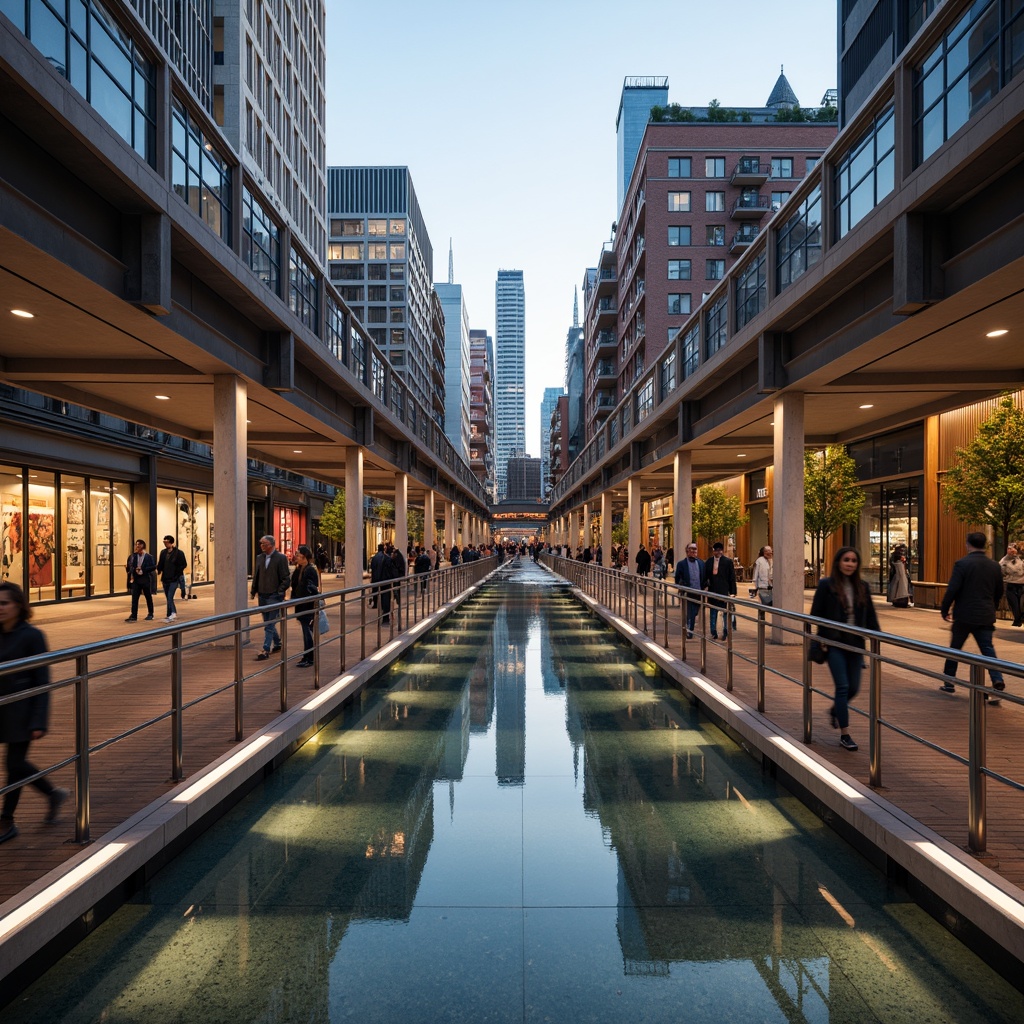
263,656
131,618
848,743
993,702
947,688
149,618
714,636
8,831
57,797
725,636
303,664
171,617
275,648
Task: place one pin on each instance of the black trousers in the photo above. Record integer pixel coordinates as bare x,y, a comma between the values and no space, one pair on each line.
18,768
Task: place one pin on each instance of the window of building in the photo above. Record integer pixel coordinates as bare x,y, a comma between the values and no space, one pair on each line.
377,272
715,234
349,272
334,325
644,401
679,270
679,202
376,227
200,175
396,227
716,325
398,338
398,250
397,293
751,291
714,202
715,270
261,245
333,250
302,282
353,293
377,335
679,167
714,167
667,371
347,228
964,71
377,315
377,250
779,198
798,244
811,163
357,350
378,375
678,302
679,235
377,293
865,174
691,350
782,167
397,314
397,271
352,251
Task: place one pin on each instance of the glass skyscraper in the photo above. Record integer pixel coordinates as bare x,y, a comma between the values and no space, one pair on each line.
509,373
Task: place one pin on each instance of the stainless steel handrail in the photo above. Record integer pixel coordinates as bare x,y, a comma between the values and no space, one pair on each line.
628,595
416,601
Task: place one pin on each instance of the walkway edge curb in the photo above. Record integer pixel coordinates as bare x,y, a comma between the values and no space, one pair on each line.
988,901
65,897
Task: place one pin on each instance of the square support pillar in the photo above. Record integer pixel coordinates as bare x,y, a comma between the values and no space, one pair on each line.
634,503
401,512
355,556
682,502
606,527
788,508
230,500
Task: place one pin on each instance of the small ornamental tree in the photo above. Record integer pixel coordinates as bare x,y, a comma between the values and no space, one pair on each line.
833,497
332,519
985,484
620,531
717,514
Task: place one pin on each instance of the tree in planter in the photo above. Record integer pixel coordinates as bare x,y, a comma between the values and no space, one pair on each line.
985,484
717,514
620,531
332,519
832,497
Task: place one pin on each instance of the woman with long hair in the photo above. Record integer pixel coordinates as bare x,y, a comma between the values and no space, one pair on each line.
844,597
305,583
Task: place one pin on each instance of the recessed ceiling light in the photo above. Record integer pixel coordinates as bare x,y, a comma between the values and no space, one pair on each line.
163,398
23,313
296,451
742,455
869,406
991,334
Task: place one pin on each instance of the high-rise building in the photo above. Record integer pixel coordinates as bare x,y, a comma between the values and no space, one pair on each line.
575,368
481,408
381,259
638,96
524,480
701,187
509,373
547,407
456,366
558,454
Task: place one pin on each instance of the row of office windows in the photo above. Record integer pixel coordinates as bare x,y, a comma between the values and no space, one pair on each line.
682,270
715,166
714,202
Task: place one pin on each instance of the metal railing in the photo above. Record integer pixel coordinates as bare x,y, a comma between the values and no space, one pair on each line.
125,673
658,608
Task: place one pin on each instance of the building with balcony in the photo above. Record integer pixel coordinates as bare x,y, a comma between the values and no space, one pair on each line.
600,307
547,407
559,455
481,408
382,262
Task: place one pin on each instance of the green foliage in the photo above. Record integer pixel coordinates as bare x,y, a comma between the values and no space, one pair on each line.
985,484
792,114
620,531
717,515
657,113
415,522
832,495
332,519
827,113
719,114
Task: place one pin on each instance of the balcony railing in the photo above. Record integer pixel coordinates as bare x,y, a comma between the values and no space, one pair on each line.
751,207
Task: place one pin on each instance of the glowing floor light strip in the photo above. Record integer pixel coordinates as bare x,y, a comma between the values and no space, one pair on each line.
53,893
326,694
386,650
202,785
722,698
819,770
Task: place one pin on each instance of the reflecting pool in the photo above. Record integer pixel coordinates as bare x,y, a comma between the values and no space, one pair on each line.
520,822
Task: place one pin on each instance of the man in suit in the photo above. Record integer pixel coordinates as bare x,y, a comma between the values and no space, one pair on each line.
271,577
720,573
973,592
141,569
691,572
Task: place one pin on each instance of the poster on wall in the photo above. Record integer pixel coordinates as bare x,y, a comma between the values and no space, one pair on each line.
40,549
10,544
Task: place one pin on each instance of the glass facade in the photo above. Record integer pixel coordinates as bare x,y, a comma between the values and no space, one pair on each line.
798,247
864,175
199,174
716,325
302,284
261,244
751,291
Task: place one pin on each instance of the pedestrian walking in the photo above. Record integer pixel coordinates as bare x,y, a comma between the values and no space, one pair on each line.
24,720
845,598
898,590
691,572
973,592
720,574
141,571
305,583
643,561
171,566
271,576
762,576
1012,567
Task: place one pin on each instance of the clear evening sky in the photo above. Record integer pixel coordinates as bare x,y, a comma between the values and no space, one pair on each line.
505,115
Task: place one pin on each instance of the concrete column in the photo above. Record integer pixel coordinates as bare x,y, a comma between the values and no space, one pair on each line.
429,530
354,533
606,527
635,506
788,508
682,502
231,559
465,528
449,530
402,512
585,526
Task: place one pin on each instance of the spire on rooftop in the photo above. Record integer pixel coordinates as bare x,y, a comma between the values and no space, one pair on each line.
782,96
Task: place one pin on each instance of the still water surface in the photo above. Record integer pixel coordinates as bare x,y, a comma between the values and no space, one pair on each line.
519,823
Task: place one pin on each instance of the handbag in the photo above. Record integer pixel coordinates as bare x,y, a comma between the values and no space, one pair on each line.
324,625
817,653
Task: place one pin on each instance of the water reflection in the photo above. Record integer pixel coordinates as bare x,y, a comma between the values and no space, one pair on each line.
519,824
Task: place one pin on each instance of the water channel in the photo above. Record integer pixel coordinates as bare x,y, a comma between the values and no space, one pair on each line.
520,821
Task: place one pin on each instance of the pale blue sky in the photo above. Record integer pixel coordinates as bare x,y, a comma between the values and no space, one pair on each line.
505,115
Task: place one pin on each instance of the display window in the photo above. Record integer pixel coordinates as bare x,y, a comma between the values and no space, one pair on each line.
187,516
290,524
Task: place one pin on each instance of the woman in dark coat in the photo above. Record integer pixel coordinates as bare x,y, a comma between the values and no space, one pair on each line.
844,597
305,583
25,720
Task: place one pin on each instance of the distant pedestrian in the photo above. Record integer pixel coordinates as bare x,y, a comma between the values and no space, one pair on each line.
1012,566
762,576
898,590
305,583
25,720
271,576
171,566
691,572
381,573
720,574
973,592
844,598
643,561
422,567
141,573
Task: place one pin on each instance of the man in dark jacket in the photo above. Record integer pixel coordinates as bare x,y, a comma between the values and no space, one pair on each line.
171,565
271,577
141,572
422,566
973,592
643,561
382,570
691,572
720,573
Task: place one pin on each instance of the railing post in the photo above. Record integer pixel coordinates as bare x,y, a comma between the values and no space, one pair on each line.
730,607
977,793
316,644
177,736
343,632
875,714
807,682
239,684
703,633
82,805
760,658
362,624
282,619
